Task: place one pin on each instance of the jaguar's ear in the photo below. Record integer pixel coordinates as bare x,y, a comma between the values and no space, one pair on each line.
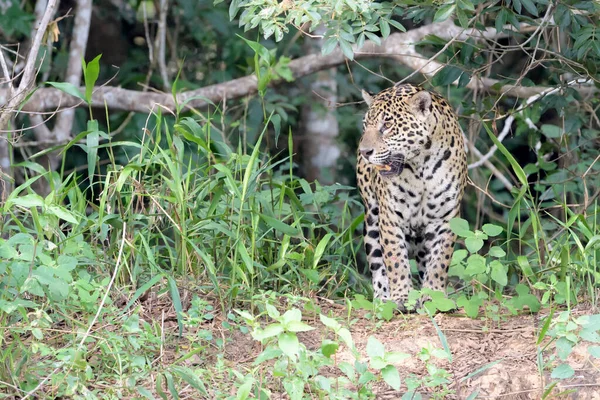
367,97
420,104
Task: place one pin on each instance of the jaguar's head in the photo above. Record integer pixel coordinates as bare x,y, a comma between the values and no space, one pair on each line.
396,127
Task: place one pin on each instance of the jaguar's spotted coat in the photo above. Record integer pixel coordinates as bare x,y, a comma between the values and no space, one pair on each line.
411,173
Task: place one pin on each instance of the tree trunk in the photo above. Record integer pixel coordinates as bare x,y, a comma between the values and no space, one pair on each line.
319,146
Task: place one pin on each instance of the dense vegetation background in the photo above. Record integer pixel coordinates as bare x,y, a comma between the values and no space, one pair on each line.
201,160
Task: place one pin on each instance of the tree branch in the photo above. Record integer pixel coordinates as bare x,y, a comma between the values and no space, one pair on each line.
399,46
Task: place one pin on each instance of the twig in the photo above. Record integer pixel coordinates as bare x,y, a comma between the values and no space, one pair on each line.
30,393
108,288
6,73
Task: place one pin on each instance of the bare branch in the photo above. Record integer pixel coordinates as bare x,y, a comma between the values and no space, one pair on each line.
6,73
28,75
29,70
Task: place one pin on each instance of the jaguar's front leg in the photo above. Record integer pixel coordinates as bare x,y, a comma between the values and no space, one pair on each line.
373,248
395,257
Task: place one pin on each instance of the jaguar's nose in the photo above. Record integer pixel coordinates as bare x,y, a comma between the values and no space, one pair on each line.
366,152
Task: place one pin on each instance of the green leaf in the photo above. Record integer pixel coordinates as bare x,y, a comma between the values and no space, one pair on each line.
378,363
501,19
590,335
298,326
439,301
375,348
90,76
348,370
475,265
329,348
279,226
269,353
243,252
176,299
394,357
496,251
471,305
523,263
391,376
594,351
552,131
192,131
346,49
329,45
145,392
385,28
68,88
269,331
563,371
460,227
27,201
492,230
545,327
525,298
514,164
244,390
289,344
443,13
276,121
190,378
293,315
62,213
473,244
344,333
330,322
272,311
459,255
397,25
563,348
321,249
466,5
499,272
446,75
388,310
529,6
259,49
294,387
92,142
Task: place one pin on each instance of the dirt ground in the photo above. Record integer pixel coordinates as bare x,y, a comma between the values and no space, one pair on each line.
474,344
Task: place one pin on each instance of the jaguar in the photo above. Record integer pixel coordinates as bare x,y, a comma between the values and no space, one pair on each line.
411,175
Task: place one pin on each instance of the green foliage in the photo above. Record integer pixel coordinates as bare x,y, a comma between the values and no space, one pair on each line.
298,367
347,22
14,20
375,309
565,332
267,67
198,202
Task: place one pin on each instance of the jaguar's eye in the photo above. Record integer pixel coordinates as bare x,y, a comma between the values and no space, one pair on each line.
386,126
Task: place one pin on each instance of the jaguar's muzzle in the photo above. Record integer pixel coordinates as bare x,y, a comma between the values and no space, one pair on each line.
393,166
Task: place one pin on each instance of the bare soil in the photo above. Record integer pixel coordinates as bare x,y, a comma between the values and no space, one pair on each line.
474,343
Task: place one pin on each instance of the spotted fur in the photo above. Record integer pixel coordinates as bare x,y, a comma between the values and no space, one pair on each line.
411,174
